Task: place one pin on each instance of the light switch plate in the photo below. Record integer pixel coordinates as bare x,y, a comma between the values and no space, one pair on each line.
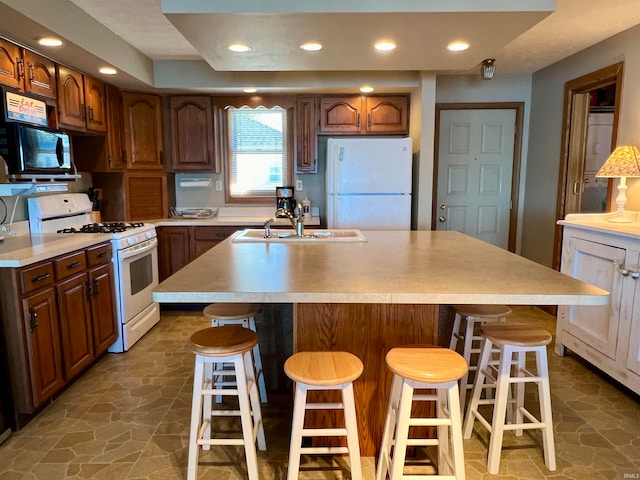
298,185
218,185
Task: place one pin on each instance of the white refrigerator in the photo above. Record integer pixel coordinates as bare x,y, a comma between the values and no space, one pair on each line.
369,183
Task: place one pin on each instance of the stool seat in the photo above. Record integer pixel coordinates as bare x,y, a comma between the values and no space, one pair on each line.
482,310
517,334
426,365
222,341
231,311
323,368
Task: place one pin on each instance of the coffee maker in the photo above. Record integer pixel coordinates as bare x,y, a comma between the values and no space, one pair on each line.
285,201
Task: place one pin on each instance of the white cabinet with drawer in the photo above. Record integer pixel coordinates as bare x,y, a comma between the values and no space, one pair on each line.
607,336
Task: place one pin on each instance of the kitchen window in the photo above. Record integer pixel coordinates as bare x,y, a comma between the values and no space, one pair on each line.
257,151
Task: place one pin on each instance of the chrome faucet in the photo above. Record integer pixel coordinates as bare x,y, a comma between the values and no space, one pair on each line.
296,220
267,228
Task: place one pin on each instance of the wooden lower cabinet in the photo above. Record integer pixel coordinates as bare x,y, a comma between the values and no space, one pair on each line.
178,246
67,319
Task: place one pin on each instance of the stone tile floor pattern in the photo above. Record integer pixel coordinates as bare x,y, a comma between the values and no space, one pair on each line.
127,418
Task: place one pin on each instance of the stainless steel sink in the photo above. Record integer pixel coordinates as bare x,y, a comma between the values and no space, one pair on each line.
289,236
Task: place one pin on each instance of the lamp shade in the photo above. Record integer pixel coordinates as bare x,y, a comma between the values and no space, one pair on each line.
623,162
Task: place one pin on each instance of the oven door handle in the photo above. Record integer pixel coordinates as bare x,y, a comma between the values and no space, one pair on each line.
138,249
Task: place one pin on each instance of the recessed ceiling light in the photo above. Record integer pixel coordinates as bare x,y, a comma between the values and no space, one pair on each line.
366,89
311,46
50,42
385,46
239,47
457,46
250,90
108,70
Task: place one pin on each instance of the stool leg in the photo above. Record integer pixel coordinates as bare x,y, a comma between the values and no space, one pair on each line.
257,358
246,419
456,431
442,412
466,353
207,406
517,416
299,403
352,431
402,430
455,332
499,409
384,458
196,416
254,400
476,392
544,394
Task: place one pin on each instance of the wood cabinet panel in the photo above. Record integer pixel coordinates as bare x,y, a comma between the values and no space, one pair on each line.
307,115
115,153
43,352
10,64
71,264
146,196
95,100
40,75
192,134
103,306
142,116
71,111
371,115
36,276
174,249
75,324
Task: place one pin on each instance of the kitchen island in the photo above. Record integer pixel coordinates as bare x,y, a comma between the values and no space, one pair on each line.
368,297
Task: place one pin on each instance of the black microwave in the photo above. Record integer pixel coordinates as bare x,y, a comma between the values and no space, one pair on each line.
32,152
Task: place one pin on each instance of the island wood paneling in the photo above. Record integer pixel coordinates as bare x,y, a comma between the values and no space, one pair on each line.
368,331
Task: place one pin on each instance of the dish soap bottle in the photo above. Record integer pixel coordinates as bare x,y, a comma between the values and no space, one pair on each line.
306,209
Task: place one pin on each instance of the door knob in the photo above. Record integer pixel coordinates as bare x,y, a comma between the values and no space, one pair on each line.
443,206
442,219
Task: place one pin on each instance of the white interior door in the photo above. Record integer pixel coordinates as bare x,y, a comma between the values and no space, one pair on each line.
475,165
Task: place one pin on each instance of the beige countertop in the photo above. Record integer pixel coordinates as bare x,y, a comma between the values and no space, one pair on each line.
227,221
600,222
410,267
21,250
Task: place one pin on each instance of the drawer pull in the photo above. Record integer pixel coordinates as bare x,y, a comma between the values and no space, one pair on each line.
73,265
102,254
40,277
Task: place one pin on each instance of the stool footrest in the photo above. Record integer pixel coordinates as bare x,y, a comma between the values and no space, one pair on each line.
422,442
324,432
429,422
225,413
221,441
324,450
324,406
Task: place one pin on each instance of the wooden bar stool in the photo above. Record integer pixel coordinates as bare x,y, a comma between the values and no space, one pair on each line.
243,314
324,371
423,367
510,339
468,333
231,345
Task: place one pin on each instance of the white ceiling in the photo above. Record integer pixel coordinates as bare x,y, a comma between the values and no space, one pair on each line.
145,38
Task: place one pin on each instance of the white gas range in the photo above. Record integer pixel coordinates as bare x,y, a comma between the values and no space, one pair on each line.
135,258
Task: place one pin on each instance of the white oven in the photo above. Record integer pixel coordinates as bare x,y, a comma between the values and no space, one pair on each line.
136,267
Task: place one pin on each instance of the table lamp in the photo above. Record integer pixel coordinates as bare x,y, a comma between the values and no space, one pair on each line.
622,163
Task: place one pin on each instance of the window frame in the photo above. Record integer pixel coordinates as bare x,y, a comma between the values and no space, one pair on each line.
222,134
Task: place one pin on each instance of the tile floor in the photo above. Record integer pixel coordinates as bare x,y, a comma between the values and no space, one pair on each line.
127,418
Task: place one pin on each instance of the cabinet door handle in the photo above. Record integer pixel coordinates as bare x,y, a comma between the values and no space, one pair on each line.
577,187
89,286
33,319
96,290
73,265
90,110
358,120
32,74
624,272
368,120
20,66
40,277
635,275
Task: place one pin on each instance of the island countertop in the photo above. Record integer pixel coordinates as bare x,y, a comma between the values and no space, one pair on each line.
392,267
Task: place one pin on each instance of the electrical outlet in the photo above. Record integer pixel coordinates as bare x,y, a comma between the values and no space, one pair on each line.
218,185
298,185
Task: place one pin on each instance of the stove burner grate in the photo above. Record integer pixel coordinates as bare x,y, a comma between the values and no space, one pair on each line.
105,227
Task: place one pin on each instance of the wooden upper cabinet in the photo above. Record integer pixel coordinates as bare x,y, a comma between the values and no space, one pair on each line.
116,156
387,114
307,134
26,71
10,64
192,134
95,105
40,75
142,115
340,115
81,101
376,114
